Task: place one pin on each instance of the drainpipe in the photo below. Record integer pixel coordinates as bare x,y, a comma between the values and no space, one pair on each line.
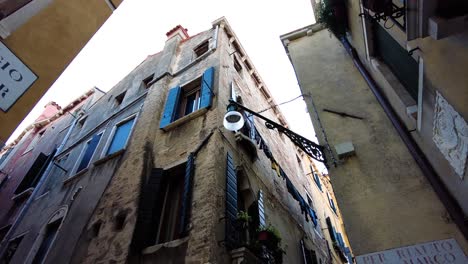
30,200
441,190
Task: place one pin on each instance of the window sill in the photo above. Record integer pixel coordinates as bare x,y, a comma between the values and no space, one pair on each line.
23,195
171,244
440,28
399,98
42,196
108,157
243,255
76,176
184,119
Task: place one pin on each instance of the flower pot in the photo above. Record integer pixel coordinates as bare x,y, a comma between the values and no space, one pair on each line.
263,235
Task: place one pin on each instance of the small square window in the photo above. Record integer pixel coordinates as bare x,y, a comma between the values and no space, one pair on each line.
120,137
202,48
237,65
88,152
119,99
148,81
190,98
82,122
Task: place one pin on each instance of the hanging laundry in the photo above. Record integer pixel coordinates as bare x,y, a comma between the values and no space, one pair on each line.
276,167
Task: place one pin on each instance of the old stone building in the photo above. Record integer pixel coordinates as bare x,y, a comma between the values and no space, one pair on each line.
39,39
146,173
387,97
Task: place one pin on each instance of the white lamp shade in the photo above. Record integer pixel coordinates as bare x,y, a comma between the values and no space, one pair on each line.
233,121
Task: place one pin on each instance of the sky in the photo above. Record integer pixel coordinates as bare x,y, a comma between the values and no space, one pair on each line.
138,29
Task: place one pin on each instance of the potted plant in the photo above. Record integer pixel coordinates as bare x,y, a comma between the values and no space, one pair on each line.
243,219
332,14
269,236
268,246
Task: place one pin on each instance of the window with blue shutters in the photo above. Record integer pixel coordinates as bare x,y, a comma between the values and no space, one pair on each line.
120,137
317,181
88,152
182,101
331,202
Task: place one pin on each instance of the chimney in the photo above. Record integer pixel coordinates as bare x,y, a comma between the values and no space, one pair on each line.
177,31
50,110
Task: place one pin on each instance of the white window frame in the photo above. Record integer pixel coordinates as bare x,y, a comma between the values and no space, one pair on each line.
60,214
114,128
78,161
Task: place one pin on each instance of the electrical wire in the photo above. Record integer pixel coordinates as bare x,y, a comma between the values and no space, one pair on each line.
285,102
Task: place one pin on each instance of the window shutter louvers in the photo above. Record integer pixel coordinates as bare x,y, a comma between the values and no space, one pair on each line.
231,202
331,229
146,226
170,109
261,210
207,88
187,195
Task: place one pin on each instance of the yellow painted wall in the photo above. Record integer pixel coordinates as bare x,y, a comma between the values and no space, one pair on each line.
47,43
385,200
444,71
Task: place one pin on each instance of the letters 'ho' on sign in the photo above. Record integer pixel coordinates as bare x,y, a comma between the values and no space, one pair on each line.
15,78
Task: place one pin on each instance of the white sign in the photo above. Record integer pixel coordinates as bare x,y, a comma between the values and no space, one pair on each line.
15,78
437,252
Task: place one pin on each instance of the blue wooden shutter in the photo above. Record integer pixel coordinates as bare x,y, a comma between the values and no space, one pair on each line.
207,88
187,195
317,181
120,136
231,202
171,107
88,154
261,210
331,229
148,214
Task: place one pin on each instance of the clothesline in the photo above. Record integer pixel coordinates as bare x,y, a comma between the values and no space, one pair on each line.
305,208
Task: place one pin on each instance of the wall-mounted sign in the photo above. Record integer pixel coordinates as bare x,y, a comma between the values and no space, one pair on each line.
436,252
15,78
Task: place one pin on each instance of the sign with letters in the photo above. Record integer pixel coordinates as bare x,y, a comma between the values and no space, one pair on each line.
15,78
437,252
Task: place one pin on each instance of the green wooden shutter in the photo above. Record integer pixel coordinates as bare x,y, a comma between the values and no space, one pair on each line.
187,195
207,88
404,67
170,109
148,213
232,236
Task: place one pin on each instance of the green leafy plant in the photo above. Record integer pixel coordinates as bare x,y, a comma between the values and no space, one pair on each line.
332,14
243,217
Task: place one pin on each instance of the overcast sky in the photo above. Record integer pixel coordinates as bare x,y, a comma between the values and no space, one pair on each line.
137,29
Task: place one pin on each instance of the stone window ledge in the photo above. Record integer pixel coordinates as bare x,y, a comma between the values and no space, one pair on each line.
170,244
76,176
108,157
440,28
23,195
185,119
243,255
399,98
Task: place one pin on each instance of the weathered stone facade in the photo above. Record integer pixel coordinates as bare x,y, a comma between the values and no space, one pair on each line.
107,204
